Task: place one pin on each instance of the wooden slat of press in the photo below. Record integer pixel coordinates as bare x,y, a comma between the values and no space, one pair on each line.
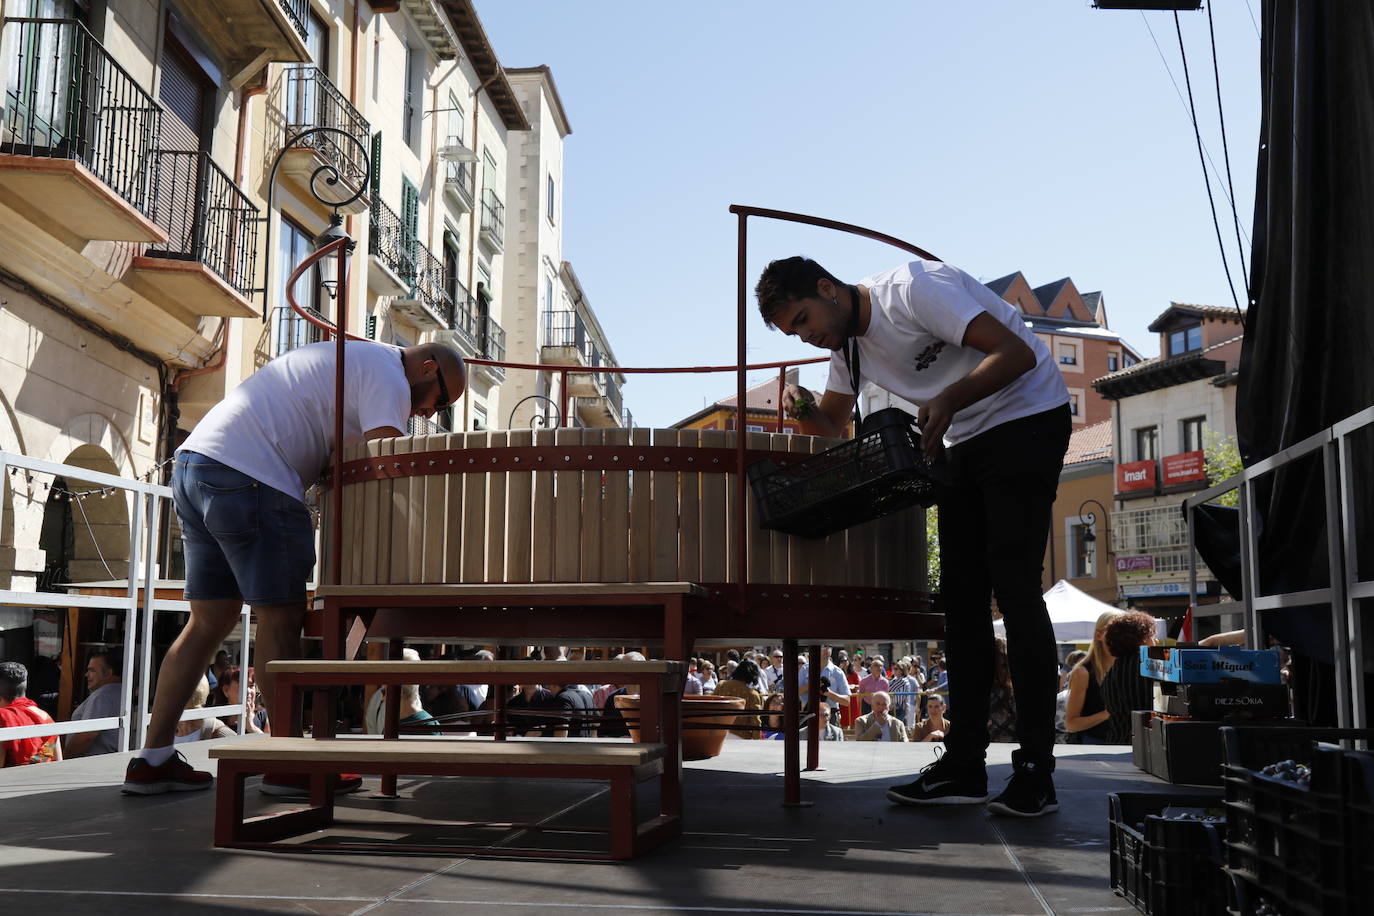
542,533
399,508
567,512
777,541
816,549
496,515
358,538
689,514
798,557
590,529
615,515
641,512
382,537
475,513
451,516
519,496
420,517
732,570
365,549
713,521
435,501
760,538
666,494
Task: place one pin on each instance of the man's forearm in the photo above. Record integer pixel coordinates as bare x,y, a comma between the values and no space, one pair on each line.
996,371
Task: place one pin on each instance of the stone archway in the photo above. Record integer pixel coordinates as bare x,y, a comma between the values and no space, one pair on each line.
100,521
12,441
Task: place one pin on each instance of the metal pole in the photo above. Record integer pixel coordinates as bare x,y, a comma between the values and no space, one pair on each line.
741,482
126,687
1355,635
149,590
1345,677
782,385
791,726
336,491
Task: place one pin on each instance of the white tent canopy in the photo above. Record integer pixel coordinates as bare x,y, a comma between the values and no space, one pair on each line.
1073,613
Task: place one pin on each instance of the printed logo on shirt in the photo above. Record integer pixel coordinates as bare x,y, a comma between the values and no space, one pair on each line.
929,355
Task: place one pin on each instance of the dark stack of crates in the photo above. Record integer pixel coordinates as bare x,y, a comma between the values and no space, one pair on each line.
1294,849
1164,865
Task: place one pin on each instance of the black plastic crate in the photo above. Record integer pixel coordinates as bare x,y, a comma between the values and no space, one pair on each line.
1359,808
1286,841
878,472
1164,865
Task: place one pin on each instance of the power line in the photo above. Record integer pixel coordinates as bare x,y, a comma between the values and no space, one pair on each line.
1226,157
1211,201
1182,101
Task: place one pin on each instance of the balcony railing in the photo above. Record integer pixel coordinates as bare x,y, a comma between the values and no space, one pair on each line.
458,177
390,240
493,218
431,285
311,100
297,11
565,329
291,331
206,216
67,98
492,345
466,322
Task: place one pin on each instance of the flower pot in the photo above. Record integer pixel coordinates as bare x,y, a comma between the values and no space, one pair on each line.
702,735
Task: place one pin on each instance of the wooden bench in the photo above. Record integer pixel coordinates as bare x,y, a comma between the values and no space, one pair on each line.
623,765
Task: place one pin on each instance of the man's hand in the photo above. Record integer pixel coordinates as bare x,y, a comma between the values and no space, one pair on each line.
934,418
798,403
880,715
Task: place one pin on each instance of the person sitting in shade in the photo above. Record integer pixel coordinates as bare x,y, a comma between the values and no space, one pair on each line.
17,710
746,674
879,725
200,729
934,726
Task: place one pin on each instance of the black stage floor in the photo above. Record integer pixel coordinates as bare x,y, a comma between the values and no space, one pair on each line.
70,843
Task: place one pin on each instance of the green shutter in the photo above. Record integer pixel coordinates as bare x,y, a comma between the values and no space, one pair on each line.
371,327
410,225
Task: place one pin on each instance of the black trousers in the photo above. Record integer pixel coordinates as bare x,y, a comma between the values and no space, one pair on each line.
993,523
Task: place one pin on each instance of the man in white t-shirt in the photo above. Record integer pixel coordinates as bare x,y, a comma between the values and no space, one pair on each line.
993,400
239,487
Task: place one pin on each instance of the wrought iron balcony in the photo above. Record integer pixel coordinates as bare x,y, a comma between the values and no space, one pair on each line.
209,221
290,330
458,184
431,286
565,330
309,99
493,345
493,223
393,246
467,324
297,11
72,113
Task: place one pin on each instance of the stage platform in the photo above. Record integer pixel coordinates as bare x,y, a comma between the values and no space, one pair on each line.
72,844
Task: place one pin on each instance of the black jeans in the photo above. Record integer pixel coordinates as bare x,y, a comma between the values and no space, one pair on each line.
994,519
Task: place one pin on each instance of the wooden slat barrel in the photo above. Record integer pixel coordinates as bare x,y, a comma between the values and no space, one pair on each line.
586,505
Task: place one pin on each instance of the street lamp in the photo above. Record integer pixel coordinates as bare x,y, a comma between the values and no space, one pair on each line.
1089,521
332,273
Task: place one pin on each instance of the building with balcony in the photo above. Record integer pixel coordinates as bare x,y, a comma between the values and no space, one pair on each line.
572,339
1165,412
761,409
1073,326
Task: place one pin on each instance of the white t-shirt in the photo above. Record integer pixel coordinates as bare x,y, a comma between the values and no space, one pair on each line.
912,346
278,426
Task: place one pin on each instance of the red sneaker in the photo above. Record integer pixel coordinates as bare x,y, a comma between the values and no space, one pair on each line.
172,775
297,785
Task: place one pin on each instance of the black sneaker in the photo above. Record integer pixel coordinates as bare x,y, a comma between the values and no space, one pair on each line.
949,780
1030,792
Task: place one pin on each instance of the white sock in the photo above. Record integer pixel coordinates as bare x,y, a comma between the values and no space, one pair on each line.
156,756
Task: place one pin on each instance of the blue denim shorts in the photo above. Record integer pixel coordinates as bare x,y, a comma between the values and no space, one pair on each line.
242,538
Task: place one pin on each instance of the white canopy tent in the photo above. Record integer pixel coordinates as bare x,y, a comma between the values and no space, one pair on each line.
1073,613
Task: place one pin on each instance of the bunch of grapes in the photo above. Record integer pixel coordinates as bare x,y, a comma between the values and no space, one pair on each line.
1263,907
803,405
1205,818
1289,771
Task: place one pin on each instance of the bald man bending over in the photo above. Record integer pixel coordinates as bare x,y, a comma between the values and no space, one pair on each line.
239,489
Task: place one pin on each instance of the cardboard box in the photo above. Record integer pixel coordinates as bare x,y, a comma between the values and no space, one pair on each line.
1188,751
1239,699
1210,666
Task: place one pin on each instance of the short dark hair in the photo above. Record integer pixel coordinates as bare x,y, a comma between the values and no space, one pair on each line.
14,681
746,671
1127,633
114,660
787,280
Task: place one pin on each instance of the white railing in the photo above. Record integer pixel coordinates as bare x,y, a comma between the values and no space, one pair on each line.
1344,590
145,510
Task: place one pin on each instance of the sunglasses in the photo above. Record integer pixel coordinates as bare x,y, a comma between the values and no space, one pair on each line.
444,399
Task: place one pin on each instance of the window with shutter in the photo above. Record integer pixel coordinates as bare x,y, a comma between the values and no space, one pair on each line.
375,184
410,225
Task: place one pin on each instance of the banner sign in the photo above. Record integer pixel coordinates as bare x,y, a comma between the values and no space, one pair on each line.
1184,468
1154,588
1135,564
1135,475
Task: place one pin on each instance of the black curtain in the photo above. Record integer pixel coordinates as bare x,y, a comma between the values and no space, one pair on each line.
1308,358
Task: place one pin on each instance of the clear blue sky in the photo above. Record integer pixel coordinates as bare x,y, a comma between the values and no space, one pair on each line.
1045,137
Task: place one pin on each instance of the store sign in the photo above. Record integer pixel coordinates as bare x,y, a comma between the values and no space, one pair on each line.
1135,564
1154,588
1135,475
1185,468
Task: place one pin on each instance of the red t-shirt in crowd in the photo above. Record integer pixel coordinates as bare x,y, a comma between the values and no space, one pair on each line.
20,751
